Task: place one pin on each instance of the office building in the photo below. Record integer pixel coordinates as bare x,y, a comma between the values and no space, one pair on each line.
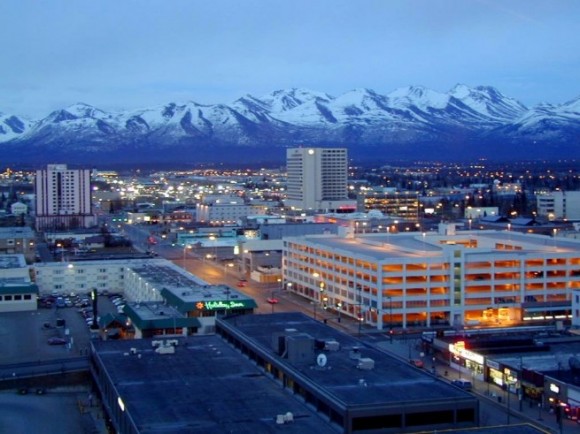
559,205
448,279
63,198
226,210
317,179
403,204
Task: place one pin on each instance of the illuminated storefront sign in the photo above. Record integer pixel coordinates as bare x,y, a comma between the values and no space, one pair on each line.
220,305
459,350
554,388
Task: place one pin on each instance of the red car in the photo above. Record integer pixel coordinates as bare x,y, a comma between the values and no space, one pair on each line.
242,283
272,300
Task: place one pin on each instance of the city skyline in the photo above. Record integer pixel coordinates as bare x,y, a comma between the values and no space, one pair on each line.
120,56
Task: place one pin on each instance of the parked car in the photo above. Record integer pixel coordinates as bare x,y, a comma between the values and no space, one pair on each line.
418,363
57,341
464,384
272,300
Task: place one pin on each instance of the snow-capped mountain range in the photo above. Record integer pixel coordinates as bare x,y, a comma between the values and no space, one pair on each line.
410,122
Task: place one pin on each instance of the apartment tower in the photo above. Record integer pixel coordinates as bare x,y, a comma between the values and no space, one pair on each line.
63,198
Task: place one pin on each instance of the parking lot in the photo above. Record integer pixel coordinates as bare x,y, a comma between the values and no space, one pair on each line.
26,335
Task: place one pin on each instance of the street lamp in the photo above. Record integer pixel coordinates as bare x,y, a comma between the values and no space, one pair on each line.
360,315
229,264
390,318
213,239
272,299
339,308
314,303
185,247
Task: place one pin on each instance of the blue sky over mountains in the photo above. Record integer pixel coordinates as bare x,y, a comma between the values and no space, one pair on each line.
137,53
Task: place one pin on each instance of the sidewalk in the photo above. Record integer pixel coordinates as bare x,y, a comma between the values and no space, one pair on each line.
489,394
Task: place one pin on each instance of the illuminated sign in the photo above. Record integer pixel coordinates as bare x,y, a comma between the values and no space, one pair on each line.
219,305
554,388
459,350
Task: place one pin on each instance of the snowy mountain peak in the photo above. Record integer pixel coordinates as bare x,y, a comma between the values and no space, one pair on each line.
460,91
488,101
419,96
82,110
572,105
480,117
283,100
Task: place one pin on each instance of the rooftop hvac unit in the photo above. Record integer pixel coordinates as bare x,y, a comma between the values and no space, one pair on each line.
165,349
354,354
284,418
366,364
300,348
331,345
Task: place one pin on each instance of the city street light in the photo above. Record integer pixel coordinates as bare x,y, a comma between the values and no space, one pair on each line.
185,247
272,299
360,315
213,239
314,303
390,318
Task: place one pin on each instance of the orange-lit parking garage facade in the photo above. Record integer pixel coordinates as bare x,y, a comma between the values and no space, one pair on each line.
468,279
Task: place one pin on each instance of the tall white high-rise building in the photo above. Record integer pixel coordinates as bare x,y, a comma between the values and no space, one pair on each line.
63,198
318,179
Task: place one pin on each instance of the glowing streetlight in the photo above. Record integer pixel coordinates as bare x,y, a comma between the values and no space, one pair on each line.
185,248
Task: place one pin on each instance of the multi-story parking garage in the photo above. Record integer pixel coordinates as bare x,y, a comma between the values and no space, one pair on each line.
449,278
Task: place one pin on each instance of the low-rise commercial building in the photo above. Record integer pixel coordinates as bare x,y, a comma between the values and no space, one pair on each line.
18,240
153,288
271,373
354,387
17,292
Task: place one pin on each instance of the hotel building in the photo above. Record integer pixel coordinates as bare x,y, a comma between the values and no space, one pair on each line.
424,280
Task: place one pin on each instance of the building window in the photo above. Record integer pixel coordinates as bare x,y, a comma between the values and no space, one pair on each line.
27,297
7,298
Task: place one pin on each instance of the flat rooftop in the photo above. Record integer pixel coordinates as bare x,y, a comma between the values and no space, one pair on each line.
16,232
162,273
390,382
12,261
186,290
430,244
205,386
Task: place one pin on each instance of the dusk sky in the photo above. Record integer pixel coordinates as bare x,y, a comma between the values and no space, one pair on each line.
129,54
